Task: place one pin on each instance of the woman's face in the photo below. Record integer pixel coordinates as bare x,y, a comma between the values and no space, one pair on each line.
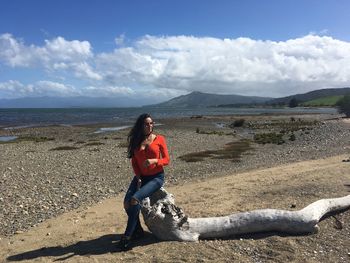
148,126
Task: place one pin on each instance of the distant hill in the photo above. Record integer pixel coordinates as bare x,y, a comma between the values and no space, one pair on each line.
312,95
194,99
324,101
199,99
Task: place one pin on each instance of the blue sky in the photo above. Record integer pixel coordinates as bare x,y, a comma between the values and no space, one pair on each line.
156,50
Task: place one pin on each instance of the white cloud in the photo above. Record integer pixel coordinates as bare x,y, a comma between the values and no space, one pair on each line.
241,65
107,91
11,89
83,70
161,94
13,52
166,66
15,89
63,50
49,88
56,54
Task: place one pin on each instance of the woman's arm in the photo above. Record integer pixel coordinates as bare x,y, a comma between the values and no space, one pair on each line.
135,166
164,159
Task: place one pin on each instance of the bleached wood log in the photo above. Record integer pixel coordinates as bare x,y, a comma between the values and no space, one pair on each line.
168,222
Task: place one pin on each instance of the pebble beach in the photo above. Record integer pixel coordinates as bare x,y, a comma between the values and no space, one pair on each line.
56,169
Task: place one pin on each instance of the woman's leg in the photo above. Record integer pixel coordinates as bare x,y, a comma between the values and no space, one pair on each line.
149,186
146,190
130,192
128,208
133,218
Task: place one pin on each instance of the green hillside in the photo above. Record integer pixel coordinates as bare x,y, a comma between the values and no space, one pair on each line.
312,95
324,101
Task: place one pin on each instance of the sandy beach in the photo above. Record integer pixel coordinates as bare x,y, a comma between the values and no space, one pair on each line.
62,189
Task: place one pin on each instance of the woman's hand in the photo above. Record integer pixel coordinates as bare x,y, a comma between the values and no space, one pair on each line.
149,162
139,182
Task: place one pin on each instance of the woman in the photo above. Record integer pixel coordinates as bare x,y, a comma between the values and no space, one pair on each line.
149,154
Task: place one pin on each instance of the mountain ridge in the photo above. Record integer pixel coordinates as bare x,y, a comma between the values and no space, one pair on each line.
201,99
193,99
311,95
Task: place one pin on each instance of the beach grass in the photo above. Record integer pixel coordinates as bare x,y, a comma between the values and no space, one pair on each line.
64,148
123,144
94,143
270,137
285,126
232,151
214,132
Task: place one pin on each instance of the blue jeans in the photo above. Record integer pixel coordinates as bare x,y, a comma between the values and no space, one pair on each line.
149,185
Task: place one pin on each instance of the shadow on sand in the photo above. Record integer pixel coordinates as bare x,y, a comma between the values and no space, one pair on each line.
348,186
109,243
102,245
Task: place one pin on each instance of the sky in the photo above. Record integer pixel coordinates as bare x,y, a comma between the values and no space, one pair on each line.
155,50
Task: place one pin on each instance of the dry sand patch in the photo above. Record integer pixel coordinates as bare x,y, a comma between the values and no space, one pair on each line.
90,235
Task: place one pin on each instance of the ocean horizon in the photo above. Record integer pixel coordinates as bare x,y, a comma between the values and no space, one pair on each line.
26,117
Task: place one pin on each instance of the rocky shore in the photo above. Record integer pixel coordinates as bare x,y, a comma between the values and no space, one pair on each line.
51,170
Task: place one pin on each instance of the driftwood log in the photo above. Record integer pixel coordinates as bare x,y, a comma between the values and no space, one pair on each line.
168,222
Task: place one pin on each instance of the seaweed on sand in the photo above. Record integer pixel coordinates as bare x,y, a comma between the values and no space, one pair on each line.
232,151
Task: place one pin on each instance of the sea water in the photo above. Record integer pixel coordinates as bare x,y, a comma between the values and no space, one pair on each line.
7,138
14,118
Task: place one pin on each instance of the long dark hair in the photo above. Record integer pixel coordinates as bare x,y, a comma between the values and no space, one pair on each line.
137,134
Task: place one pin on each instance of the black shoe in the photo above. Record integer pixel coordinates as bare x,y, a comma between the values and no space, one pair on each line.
138,233
124,244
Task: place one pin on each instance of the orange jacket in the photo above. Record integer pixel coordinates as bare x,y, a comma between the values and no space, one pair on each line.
156,150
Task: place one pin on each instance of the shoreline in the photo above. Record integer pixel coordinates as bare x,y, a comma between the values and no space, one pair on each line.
39,182
129,118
